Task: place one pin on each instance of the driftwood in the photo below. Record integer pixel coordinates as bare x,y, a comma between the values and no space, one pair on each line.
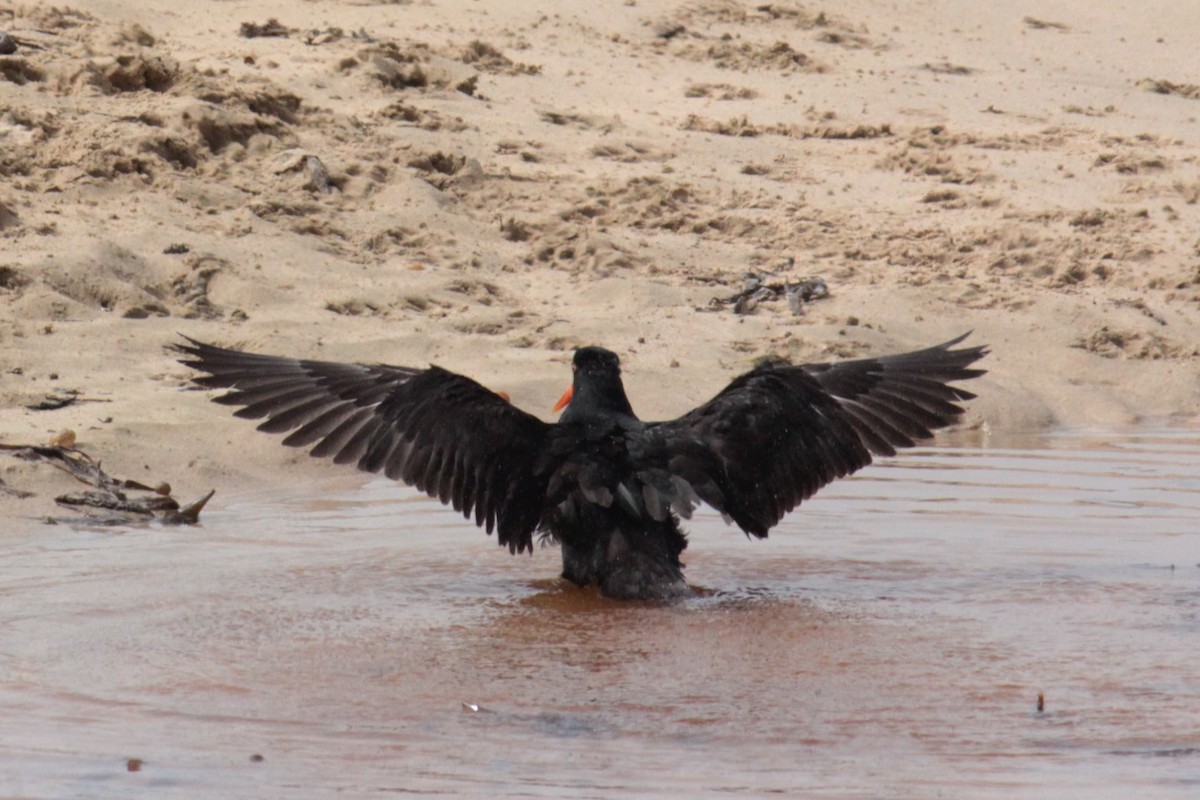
118,502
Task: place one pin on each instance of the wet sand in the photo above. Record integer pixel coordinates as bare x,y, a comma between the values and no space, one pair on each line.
889,640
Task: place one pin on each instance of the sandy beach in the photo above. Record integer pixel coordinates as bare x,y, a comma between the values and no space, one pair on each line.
487,186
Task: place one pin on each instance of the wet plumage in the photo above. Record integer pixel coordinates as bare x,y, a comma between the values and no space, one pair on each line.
606,486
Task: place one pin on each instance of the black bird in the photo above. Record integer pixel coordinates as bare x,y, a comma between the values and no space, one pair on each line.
608,487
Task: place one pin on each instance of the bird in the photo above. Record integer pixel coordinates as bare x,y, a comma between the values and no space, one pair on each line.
607,487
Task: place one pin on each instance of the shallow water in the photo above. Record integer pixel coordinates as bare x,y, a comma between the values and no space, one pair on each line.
890,640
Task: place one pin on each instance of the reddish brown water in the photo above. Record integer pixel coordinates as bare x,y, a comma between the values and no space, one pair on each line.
889,641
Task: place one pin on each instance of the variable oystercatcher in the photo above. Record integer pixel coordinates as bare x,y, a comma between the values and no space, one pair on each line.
606,486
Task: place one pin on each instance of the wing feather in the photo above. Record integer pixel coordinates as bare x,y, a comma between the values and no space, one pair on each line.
320,426
313,406
776,435
340,436
439,431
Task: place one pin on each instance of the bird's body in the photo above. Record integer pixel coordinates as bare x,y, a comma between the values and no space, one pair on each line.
608,487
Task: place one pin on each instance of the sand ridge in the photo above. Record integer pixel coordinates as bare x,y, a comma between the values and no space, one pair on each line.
487,186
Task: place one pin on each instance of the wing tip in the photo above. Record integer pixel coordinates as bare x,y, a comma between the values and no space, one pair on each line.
189,348
970,354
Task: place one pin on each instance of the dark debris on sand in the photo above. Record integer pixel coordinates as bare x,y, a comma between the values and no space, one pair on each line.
109,501
757,290
270,28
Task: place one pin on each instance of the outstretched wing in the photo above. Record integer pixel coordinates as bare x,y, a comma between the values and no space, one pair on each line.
438,431
776,435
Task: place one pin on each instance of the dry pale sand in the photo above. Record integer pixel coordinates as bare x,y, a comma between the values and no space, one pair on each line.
488,185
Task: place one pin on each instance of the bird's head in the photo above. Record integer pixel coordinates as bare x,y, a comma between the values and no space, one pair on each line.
597,381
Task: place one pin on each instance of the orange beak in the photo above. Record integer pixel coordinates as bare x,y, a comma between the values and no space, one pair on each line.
562,401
